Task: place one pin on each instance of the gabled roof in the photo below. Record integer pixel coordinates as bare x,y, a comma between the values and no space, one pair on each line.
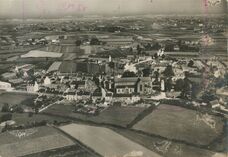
126,79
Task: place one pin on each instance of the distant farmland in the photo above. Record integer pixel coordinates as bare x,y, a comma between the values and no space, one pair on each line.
106,142
165,147
168,121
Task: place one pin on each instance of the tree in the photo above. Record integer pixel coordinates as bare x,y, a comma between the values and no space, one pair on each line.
156,74
111,65
190,63
226,79
128,74
78,42
179,85
156,46
186,89
146,72
94,41
5,108
148,46
168,71
139,49
168,84
96,80
208,96
5,117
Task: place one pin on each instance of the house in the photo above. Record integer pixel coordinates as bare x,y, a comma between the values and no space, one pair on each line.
16,81
130,85
144,85
5,86
215,104
83,95
97,95
125,98
108,96
126,85
86,85
9,75
32,87
222,91
47,81
71,95
24,67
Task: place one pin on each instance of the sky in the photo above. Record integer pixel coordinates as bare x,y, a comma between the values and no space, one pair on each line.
59,8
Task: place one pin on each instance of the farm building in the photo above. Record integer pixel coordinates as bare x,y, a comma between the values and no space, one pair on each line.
131,85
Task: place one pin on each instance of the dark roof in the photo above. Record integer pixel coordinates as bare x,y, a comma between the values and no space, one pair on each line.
124,86
126,79
122,95
80,82
97,94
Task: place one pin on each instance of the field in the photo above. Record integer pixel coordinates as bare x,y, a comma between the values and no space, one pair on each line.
105,141
29,141
164,147
69,151
37,54
168,121
23,118
120,116
14,98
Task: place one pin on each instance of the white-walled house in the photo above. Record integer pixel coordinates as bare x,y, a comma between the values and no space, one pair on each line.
33,87
5,86
47,81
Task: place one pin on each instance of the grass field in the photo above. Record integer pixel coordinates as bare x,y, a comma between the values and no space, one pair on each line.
29,141
105,141
23,118
120,116
164,147
14,98
182,124
69,151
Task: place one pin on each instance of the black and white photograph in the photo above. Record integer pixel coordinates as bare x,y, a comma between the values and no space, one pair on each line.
113,78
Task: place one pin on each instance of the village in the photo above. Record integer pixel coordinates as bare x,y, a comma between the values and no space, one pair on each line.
112,79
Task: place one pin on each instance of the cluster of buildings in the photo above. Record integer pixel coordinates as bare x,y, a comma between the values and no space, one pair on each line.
115,68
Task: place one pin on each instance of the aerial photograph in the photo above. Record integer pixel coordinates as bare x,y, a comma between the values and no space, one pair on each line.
113,78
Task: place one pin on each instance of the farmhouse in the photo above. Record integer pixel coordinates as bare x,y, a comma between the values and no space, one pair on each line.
126,85
129,85
5,86
144,85
9,75
32,87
